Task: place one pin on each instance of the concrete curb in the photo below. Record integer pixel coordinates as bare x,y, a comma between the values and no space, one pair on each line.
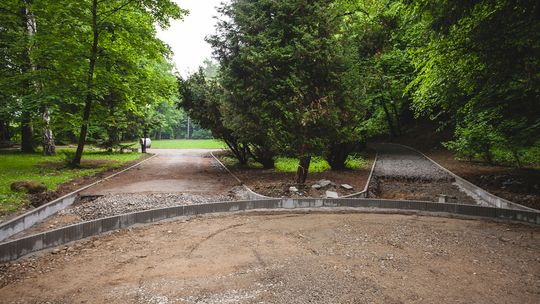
472,189
17,248
364,193
31,217
250,194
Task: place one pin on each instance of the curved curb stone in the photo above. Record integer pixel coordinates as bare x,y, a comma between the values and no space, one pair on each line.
250,194
364,193
28,219
475,190
17,248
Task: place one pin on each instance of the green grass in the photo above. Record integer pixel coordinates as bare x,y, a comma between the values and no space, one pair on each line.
287,164
188,144
50,170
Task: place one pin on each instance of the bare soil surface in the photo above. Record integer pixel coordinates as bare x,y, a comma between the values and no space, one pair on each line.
288,258
274,183
521,186
402,173
171,171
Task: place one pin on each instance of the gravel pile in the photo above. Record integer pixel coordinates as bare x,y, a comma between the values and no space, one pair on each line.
91,208
398,162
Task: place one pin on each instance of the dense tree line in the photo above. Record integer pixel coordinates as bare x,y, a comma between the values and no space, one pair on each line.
319,78
81,69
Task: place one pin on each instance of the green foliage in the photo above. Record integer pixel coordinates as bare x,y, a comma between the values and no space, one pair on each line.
281,72
356,162
188,144
45,66
479,71
50,170
287,164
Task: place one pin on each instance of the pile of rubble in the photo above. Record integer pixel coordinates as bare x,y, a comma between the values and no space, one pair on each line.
322,185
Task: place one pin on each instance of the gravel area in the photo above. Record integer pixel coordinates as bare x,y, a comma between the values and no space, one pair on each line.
402,173
91,208
398,162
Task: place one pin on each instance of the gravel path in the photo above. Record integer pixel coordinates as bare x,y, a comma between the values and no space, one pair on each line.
399,162
402,173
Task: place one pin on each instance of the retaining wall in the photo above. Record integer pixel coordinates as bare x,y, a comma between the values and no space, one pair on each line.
20,247
30,218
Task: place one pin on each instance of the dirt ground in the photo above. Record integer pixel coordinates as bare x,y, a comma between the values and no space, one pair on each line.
171,171
274,183
418,190
288,258
521,186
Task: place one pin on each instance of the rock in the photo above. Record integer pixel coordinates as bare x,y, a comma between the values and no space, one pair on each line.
29,186
331,194
324,182
293,189
56,251
316,186
346,186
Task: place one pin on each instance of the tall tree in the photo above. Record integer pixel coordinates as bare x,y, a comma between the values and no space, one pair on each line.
110,17
281,68
480,67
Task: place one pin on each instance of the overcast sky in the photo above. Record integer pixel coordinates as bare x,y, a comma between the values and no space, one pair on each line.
186,37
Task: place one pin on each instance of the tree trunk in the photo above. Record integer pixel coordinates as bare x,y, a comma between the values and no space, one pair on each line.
4,131
389,119
47,137
239,150
89,88
398,121
27,130
27,134
303,169
262,155
515,154
337,154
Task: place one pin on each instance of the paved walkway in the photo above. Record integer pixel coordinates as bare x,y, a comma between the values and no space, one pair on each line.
171,171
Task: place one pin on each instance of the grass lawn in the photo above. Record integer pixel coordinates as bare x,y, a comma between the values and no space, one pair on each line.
288,164
187,144
50,170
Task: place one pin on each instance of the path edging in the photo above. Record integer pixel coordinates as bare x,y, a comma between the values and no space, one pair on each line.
28,219
364,193
15,249
250,194
489,198
254,195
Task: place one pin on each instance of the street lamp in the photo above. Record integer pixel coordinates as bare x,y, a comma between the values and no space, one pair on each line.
145,132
